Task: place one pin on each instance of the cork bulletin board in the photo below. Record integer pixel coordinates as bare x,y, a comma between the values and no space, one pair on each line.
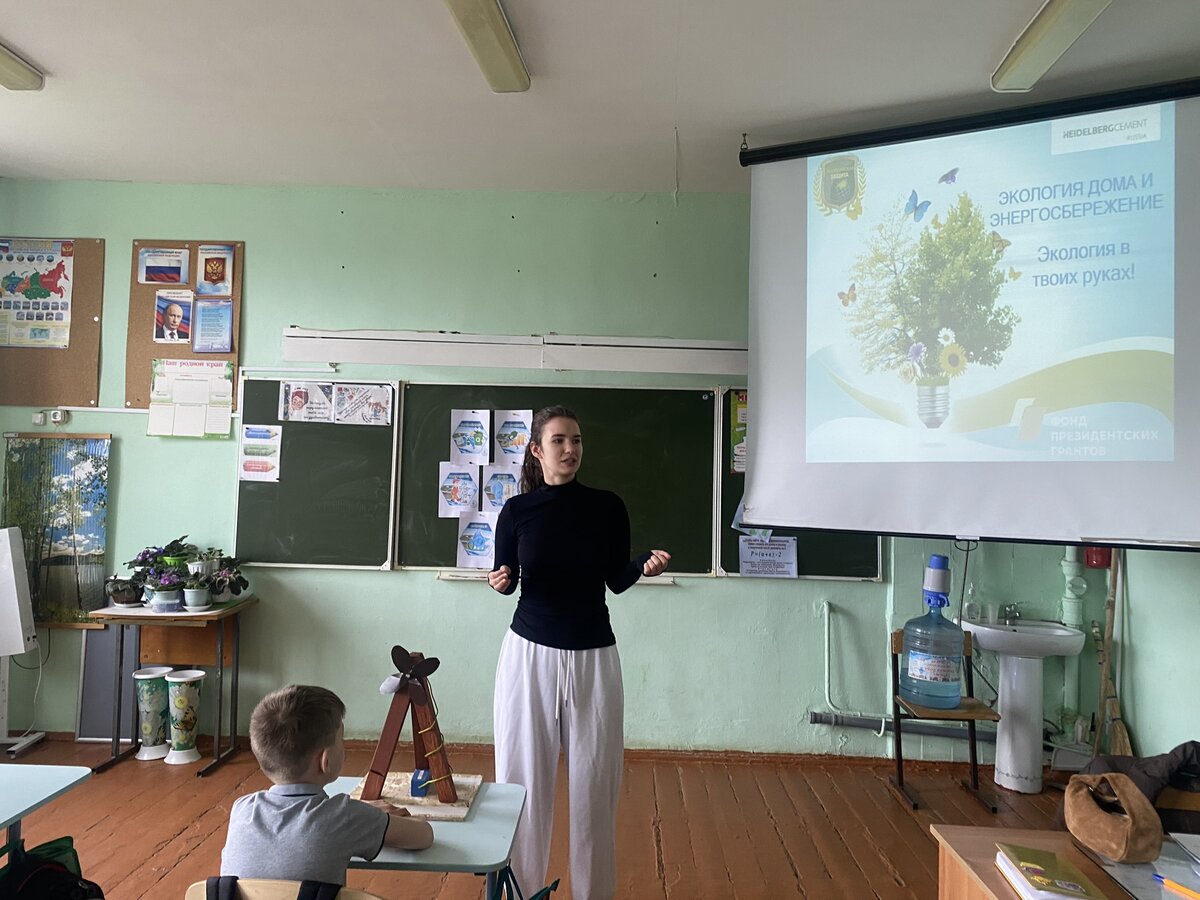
50,376
141,346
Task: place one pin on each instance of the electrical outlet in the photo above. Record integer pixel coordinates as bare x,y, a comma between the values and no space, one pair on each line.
58,416
39,418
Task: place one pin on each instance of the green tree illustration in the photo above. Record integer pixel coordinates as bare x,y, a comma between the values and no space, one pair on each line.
929,306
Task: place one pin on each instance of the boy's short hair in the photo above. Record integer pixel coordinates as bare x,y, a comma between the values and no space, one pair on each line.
291,724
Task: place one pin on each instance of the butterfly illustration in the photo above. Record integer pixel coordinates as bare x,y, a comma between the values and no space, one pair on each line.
949,177
849,295
935,221
1013,274
915,209
999,244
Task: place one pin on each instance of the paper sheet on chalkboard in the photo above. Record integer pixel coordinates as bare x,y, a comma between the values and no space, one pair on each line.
470,436
305,401
362,404
500,482
511,434
260,457
458,489
476,540
771,558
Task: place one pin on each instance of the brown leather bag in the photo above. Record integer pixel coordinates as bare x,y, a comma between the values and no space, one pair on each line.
1109,814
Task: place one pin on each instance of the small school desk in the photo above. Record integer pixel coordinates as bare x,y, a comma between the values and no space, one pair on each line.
214,619
481,843
967,861
24,788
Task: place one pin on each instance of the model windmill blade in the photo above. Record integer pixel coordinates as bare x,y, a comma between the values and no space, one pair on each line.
416,690
402,660
425,668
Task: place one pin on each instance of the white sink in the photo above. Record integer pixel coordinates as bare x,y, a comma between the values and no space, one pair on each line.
1021,648
1032,639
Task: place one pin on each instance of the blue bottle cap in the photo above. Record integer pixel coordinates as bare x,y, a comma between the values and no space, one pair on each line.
937,561
935,600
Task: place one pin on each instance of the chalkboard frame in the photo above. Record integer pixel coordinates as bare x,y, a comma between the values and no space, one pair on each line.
567,393
810,543
387,543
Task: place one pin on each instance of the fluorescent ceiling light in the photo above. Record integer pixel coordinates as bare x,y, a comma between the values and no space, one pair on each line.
16,74
485,29
1057,25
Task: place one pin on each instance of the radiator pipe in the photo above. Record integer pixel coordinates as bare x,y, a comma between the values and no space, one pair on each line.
908,726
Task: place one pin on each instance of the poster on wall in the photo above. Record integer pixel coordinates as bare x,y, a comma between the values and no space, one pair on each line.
191,398
162,265
35,292
214,270
56,492
212,326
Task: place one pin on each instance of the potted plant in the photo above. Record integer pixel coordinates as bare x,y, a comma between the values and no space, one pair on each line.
123,591
196,590
163,585
228,581
146,560
211,559
178,552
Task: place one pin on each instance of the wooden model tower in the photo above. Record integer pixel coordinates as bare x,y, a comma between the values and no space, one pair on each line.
429,747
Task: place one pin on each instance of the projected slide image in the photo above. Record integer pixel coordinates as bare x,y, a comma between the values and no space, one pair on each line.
1001,295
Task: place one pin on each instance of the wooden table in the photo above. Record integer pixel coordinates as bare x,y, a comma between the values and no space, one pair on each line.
967,861
480,844
24,788
140,617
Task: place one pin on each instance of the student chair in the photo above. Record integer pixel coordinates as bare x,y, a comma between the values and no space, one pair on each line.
272,889
969,710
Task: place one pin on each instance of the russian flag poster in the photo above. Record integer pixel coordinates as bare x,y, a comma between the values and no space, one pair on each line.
162,265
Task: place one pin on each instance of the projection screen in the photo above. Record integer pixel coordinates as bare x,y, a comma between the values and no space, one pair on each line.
991,333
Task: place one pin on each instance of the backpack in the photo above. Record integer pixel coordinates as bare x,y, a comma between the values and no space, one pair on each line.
49,871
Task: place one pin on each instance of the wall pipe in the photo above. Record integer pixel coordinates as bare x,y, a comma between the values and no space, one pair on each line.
908,726
883,719
1072,615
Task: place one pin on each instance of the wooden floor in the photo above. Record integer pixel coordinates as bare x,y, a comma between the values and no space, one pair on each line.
689,826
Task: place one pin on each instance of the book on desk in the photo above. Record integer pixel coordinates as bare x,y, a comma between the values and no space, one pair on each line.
1043,874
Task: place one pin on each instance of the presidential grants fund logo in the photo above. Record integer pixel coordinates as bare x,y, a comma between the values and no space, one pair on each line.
839,185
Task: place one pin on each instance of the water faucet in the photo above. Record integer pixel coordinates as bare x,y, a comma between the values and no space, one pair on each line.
1009,613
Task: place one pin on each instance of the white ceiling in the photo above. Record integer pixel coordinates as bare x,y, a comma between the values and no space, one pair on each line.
383,93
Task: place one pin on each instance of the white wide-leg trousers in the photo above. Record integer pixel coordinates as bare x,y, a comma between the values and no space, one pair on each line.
546,700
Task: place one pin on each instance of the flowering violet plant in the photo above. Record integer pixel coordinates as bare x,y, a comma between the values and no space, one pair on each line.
164,579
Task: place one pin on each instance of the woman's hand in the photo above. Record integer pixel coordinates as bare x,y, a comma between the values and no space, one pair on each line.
657,563
500,579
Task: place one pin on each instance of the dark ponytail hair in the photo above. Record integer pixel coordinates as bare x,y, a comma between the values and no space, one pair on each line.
531,466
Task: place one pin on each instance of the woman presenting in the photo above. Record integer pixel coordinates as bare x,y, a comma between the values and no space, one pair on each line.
558,682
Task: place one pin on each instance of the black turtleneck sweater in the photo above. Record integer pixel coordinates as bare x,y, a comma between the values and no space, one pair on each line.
564,543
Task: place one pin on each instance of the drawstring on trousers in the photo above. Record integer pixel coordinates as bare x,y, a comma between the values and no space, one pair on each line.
563,683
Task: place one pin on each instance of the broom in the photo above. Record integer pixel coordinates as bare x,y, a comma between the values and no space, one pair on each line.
1109,704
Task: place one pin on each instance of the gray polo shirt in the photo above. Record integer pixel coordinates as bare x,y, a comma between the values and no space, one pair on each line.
298,831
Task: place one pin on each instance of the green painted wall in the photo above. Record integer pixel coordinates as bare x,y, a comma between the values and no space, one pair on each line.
709,663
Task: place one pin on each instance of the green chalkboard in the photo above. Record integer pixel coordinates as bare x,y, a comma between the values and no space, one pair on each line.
653,447
819,554
332,504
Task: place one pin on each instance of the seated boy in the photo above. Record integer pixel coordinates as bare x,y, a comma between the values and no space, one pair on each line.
295,830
